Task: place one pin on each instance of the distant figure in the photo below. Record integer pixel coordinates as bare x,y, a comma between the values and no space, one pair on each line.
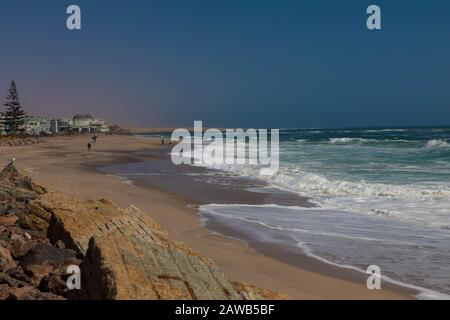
89,146
162,141
94,139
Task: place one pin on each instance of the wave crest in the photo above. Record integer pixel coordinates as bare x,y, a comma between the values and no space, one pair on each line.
306,183
436,143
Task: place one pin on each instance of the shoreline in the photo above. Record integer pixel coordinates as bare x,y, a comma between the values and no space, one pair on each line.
67,157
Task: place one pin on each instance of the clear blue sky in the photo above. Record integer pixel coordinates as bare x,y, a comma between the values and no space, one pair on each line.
231,63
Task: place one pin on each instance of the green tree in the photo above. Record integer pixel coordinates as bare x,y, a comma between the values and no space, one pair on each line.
14,115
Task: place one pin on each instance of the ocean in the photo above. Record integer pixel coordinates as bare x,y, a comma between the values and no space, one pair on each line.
381,197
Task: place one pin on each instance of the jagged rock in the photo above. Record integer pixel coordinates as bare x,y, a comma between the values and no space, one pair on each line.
10,174
8,221
15,283
55,283
26,183
19,186
74,221
127,255
48,255
19,246
36,272
6,260
32,222
19,274
38,211
116,267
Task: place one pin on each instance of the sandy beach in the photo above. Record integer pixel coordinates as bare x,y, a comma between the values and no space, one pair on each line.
64,164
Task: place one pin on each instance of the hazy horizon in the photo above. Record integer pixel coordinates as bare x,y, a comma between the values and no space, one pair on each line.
288,64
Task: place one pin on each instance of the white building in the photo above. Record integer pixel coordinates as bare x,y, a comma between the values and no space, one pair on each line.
79,123
87,123
36,125
61,125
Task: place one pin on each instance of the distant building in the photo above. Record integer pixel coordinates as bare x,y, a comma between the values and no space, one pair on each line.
61,125
39,125
87,123
36,125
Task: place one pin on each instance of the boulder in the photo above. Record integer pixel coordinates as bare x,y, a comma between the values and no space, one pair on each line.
47,255
8,221
37,272
127,255
10,281
25,182
118,267
11,175
29,221
20,245
34,209
19,274
6,260
55,283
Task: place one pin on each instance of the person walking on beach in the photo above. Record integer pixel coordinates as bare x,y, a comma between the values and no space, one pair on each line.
89,146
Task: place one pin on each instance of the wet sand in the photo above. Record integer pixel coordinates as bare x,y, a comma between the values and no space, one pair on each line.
64,164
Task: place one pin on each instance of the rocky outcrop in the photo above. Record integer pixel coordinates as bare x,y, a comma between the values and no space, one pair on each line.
122,253
26,256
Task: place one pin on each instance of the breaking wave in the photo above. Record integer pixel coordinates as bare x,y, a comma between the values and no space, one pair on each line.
304,182
363,140
349,140
436,143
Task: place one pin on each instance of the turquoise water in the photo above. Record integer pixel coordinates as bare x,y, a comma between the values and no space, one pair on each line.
399,172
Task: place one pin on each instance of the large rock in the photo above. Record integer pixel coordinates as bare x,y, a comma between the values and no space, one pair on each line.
11,175
55,283
29,221
8,221
20,245
6,260
46,254
127,255
118,267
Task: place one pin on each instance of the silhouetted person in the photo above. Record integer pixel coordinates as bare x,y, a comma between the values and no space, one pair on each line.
89,146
